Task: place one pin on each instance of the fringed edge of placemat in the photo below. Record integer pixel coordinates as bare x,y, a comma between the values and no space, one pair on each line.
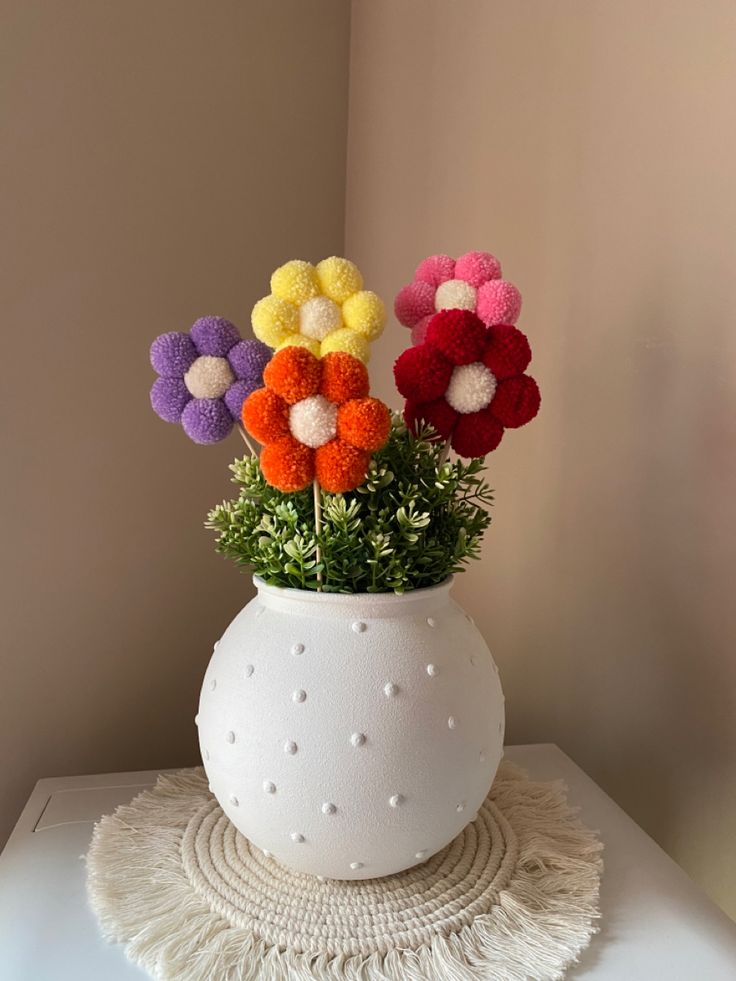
544,919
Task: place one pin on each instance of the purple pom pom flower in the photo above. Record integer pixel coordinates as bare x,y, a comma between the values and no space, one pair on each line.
205,376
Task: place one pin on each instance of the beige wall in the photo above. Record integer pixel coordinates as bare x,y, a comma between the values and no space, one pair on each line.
592,146
157,160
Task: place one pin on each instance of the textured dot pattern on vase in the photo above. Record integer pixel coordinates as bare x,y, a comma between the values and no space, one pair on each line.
266,853
234,800
357,738
297,649
300,695
356,865
249,669
230,736
213,684
396,801
431,621
432,670
269,786
452,722
290,747
359,627
421,854
196,720
482,756
460,807
206,754
328,808
390,689
297,837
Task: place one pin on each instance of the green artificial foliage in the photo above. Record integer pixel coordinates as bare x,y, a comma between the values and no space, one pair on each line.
415,521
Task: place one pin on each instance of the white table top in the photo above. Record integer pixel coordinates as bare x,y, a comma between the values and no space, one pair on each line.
655,922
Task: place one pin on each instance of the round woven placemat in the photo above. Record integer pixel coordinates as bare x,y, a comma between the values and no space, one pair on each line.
514,897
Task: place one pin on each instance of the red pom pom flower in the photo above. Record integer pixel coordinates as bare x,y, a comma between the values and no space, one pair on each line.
467,381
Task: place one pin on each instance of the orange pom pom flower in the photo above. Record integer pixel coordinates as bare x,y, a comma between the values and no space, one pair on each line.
315,419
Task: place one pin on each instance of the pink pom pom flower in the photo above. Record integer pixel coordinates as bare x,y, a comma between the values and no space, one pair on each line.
471,282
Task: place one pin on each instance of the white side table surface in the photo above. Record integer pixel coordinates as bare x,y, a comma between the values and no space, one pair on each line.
655,923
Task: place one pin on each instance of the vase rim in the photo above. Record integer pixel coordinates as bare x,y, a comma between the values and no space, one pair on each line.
349,601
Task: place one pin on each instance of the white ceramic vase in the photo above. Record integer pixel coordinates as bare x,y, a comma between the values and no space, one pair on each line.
351,736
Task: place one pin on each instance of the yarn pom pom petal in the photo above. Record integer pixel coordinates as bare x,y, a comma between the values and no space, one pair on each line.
341,467
296,282
458,334
266,416
169,396
413,303
477,268
499,302
422,374
435,269
339,278
214,336
248,359
206,420
299,340
293,373
516,401
235,396
287,464
348,341
476,434
365,313
364,423
172,354
438,414
343,377
507,352
273,320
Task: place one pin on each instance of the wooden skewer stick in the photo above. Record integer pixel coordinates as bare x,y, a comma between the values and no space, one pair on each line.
247,440
318,527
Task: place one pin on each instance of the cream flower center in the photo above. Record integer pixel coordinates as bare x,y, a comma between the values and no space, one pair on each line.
209,377
318,317
471,388
455,294
313,421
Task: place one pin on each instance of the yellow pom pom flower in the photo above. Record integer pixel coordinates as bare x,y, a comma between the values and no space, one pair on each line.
321,308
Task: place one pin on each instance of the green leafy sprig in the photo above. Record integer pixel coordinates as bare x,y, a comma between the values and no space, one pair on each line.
416,520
